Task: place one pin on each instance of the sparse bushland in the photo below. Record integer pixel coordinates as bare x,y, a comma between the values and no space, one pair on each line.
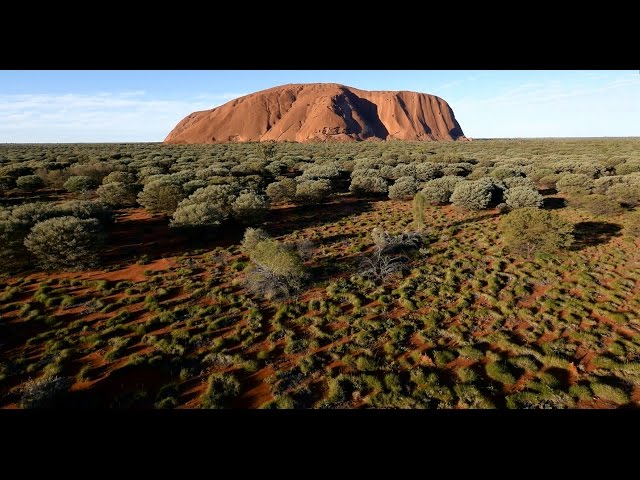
465,323
66,242
530,230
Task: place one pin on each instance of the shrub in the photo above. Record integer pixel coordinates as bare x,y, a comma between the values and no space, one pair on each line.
519,197
197,215
404,187
160,196
575,183
253,236
221,388
276,271
427,171
13,253
473,195
29,182
84,209
313,191
282,191
117,194
65,242
439,191
249,207
119,177
193,185
44,392
530,230
597,204
512,182
633,226
368,182
80,183
627,193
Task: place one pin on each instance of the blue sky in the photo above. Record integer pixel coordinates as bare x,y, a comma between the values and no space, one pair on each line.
129,106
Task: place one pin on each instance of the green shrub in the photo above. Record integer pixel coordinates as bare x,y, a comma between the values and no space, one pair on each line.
80,183
221,388
520,197
530,230
439,191
249,207
597,204
473,194
29,182
66,242
117,194
403,188
160,197
313,191
282,191
119,177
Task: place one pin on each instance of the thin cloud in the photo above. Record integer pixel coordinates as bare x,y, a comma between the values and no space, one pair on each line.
95,117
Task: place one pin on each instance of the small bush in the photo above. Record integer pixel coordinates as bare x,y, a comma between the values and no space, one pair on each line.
313,191
520,197
66,242
119,177
249,207
282,191
44,392
80,183
403,188
160,197
371,184
597,204
222,387
29,182
117,194
473,195
530,230
439,191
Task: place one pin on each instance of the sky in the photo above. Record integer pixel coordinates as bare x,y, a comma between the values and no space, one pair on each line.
143,106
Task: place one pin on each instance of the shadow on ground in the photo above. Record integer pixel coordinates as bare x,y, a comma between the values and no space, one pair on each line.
588,234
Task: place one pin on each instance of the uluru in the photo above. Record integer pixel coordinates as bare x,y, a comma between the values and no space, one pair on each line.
321,112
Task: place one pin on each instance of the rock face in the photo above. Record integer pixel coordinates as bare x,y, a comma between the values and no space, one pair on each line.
320,112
